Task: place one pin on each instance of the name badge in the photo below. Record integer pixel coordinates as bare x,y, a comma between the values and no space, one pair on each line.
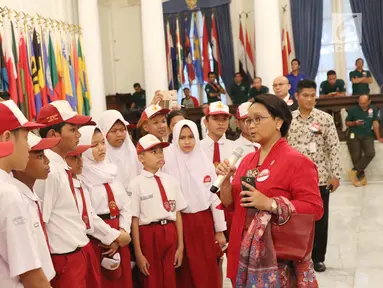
370,113
312,147
207,181
352,135
263,175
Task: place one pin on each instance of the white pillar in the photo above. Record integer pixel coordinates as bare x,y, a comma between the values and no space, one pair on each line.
89,22
268,40
153,39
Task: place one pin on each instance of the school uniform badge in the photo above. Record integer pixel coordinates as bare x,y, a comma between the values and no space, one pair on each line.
207,181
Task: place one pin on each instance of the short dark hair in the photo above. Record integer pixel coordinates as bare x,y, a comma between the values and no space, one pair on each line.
258,78
173,114
296,60
356,61
57,127
331,72
136,85
5,95
186,88
238,73
306,83
368,96
211,73
277,108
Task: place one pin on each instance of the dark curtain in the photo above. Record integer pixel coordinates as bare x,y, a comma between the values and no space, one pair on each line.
307,22
372,34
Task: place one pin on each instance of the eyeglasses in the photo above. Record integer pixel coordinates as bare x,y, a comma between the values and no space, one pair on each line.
255,120
279,85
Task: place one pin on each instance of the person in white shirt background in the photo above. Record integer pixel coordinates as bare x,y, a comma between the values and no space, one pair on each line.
205,107
37,168
109,200
23,261
203,223
157,222
244,141
75,262
216,146
121,151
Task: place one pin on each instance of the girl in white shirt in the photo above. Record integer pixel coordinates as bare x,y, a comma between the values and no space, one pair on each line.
109,200
121,151
203,223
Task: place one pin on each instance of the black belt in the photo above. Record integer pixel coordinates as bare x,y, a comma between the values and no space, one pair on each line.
162,222
78,249
106,216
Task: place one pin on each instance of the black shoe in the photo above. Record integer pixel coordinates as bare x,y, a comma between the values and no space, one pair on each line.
319,267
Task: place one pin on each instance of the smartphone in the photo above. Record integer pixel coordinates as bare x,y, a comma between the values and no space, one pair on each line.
248,180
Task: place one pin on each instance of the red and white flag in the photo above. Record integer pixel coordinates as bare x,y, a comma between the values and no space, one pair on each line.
286,47
215,46
249,56
205,52
169,60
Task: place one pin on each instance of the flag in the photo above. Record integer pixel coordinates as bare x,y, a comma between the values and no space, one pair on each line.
47,68
72,73
24,79
286,50
169,52
20,96
67,77
205,51
215,46
77,75
84,81
197,53
60,73
35,78
180,56
3,68
249,57
39,65
28,79
242,53
188,54
10,63
56,93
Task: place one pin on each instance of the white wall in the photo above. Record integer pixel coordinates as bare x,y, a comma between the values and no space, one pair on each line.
121,46
63,10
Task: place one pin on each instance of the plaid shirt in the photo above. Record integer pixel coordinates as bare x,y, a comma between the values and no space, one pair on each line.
318,128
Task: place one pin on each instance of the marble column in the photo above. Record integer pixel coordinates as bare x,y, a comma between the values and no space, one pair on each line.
153,38
89,22
268,40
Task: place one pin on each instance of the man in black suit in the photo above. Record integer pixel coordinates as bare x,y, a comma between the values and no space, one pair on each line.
281,88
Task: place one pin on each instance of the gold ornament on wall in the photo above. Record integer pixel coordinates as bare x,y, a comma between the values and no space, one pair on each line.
192,4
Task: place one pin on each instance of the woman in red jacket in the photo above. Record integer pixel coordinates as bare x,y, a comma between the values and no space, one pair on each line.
286,182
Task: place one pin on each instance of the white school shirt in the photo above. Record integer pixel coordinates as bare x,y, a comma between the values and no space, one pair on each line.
64,224
147,203
226,147
99,199
247,146
203,128
98,228
19,249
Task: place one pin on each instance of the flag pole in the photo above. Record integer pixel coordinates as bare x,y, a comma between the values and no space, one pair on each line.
284,8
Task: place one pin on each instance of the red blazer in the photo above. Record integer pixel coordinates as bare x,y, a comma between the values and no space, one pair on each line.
292,175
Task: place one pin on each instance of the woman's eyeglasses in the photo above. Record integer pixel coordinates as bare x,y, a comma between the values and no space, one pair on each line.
256,120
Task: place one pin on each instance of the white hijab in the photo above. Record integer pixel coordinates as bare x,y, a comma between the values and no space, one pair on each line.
94,173
192,168
125,157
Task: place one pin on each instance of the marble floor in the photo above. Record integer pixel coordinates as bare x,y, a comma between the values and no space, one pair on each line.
355,248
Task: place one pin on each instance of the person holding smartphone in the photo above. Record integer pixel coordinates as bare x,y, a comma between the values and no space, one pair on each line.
285,182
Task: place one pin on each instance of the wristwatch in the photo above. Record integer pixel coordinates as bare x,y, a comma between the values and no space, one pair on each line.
274,207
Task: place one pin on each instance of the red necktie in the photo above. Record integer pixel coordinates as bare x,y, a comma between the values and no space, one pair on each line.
70,177
43,225
216,155
113,209
84,215
165,200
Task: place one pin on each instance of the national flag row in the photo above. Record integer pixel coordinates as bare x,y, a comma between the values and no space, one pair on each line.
192,55
40,66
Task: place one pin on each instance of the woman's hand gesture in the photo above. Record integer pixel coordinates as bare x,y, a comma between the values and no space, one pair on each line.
225,169
254,198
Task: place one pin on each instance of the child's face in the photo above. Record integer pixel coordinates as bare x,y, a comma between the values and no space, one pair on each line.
175,120
186,140
19,158
99,146
217,125
38,165
75,162
156,126
70,137
152,159
117,134
244,128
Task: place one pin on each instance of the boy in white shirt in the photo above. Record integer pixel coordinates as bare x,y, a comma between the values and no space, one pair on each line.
75,262
157,200
244,141
22,256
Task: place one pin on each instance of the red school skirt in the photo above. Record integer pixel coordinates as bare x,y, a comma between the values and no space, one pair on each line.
126,279
199,266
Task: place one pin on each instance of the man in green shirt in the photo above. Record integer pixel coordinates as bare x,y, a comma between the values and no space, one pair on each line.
239,91
138,97
360,79
361,120
332,86
213,89
257,89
